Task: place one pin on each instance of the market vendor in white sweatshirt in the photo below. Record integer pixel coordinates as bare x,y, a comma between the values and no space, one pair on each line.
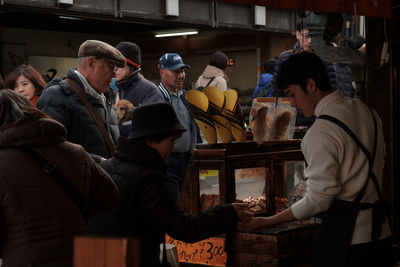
346,232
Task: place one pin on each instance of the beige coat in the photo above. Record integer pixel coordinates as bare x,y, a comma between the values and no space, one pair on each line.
38,219
220,81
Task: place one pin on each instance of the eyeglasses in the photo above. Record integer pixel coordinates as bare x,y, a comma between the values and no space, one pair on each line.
306,35
109,65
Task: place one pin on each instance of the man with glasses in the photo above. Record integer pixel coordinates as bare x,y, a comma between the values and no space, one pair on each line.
172,72
303,44
97,64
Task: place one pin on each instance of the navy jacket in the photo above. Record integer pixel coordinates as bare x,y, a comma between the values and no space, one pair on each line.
60,102
138,90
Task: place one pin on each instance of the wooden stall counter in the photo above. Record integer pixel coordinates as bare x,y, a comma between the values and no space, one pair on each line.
284,245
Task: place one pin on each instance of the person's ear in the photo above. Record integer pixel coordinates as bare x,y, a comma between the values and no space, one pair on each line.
311,86
91,62
298,35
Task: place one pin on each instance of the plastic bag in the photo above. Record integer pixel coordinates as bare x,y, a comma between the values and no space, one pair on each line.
272,119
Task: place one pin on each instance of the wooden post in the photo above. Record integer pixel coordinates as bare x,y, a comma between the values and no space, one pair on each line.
379,94
92,251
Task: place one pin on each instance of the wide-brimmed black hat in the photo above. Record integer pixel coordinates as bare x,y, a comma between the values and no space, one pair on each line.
154,119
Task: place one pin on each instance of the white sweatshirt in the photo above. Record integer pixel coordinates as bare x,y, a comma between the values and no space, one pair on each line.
337,168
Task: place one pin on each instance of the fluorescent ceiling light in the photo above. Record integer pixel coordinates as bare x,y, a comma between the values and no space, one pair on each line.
175,33
71,18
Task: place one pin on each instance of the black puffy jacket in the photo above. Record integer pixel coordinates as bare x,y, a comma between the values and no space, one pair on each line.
339,74
146,209
139,91
60,102
339,79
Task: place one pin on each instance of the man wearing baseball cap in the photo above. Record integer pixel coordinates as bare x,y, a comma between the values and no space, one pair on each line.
92,125
172,72
131,84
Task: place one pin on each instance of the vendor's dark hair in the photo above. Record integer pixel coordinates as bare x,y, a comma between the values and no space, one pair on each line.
219,60
157,137
15,108
300,67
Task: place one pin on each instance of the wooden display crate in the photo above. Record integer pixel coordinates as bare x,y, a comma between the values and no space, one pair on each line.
287,245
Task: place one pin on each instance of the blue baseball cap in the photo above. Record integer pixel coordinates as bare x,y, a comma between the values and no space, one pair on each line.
172,61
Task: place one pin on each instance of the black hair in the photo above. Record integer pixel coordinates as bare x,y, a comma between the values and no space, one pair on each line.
356,41
15,108
269,66
219,60
300,26
300,67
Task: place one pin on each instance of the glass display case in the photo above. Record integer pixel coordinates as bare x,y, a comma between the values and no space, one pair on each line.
263,175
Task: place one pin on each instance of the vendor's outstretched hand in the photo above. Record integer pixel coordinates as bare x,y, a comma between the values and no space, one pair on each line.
243,212
256,223
265,222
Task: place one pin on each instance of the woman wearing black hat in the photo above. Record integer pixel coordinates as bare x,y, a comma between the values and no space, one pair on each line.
146,208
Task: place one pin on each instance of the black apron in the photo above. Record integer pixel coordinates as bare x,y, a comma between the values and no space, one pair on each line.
334,228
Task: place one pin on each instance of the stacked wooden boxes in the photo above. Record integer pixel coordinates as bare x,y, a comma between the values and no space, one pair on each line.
288,245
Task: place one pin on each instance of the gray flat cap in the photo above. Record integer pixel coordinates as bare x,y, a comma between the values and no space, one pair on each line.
102,50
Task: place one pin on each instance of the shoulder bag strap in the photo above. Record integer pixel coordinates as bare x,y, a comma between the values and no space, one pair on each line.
364,150
51,169
93,113
209,82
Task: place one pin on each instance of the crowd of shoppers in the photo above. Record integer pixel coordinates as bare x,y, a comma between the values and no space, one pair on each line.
81,175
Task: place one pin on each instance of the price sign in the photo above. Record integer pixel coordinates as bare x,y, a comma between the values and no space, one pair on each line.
207,252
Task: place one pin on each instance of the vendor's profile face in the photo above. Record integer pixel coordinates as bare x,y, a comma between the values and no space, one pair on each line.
302,101
165,147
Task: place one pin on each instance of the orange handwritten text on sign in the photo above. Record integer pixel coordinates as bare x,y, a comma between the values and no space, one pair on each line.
207,252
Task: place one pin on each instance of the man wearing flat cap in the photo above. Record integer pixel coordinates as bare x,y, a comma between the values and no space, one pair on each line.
83,101
172,72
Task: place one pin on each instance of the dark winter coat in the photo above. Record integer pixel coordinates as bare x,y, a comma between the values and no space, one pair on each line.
138,90
60,102
38,219
339,78
146,208
339,74
264,87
